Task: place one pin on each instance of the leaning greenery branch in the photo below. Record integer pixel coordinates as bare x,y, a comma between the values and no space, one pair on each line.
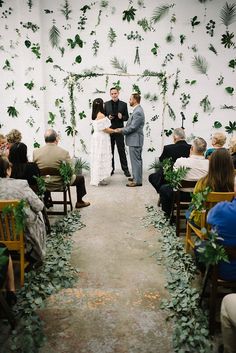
173,176
190,322
55,274
66,172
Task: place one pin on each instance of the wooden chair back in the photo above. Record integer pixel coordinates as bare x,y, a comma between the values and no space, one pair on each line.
65,189
8,235
212,199
179,207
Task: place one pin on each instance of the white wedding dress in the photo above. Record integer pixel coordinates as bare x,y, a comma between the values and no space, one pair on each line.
101,157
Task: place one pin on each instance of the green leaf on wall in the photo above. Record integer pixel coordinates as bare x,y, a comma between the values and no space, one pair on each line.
228,14
66,10
121,66
12,112
217,125
229,90
129,14
200,64
54,35
160,12
226,39
231,127
78,59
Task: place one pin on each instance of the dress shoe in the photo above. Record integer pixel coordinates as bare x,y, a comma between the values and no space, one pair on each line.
131,179
127,174
133,185
103,182
82,204
112,172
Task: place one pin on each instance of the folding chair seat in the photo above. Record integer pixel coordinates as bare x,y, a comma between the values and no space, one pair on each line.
9,236
64,189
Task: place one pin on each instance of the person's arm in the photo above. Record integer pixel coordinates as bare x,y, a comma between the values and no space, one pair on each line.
124,115
136,122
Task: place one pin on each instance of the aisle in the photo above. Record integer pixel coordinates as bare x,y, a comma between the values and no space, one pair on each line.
114,307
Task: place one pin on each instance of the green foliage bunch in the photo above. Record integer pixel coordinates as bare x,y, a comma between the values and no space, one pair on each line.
198,200
66,172
79,165
19,214
173,176
55,273
190,332
210,251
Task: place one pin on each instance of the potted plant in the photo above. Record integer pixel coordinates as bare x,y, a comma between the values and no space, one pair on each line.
155,165
79,165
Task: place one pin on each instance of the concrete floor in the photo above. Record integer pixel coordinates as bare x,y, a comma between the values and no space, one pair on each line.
114,307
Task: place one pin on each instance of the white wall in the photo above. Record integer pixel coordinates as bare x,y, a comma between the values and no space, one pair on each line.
27,67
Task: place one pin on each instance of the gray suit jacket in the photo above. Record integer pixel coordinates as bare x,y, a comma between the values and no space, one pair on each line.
134,128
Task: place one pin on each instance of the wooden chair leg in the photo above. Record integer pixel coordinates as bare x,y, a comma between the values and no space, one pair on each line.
205,281
70,200
187,237
22,267
212,304
65,201
7,311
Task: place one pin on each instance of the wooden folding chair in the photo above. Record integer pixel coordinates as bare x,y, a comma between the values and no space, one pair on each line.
47,172
179,207
14,241
212,199
215,281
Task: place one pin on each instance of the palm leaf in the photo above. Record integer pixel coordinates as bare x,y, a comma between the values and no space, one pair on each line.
228,14
122,67
160,12
54,36
200,64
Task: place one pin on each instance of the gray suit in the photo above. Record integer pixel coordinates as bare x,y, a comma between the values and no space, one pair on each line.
134,139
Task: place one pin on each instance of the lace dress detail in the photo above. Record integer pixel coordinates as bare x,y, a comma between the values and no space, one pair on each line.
101,157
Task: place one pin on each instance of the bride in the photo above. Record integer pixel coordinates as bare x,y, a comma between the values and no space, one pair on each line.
101,156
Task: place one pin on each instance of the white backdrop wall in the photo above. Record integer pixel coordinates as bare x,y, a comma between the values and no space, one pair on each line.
47,103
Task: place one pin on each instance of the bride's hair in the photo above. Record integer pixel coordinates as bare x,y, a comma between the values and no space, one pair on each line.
98,107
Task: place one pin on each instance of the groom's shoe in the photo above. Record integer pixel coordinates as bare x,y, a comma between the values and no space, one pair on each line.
133,184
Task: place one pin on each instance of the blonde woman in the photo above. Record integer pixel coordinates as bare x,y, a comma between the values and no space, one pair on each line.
218,140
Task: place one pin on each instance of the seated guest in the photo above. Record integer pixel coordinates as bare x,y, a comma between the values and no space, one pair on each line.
35,233
222,218
232,150
4,147
21,167
220,177
228,322
14,136
51,156
7,276
198,168
180,148
218,140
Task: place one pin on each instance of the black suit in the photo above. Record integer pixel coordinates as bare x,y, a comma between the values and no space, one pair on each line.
113,108
174,151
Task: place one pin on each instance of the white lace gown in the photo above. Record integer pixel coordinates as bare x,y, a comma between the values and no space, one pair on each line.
101,157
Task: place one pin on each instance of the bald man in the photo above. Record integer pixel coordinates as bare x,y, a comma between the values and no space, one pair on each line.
51,156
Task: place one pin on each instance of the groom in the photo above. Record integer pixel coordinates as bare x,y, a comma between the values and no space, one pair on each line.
133,132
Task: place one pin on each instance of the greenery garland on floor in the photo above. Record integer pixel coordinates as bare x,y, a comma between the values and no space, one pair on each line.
55,273
191,332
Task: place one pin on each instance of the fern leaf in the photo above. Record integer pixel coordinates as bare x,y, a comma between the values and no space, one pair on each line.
160,12
228,14
54,36
122,67
200,64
